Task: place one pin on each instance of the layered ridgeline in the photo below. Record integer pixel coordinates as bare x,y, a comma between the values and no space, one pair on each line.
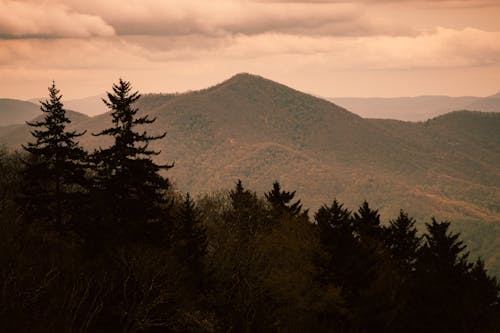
13,111
259,131
417,108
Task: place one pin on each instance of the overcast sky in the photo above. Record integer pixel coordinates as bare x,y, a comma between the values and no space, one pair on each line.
326,47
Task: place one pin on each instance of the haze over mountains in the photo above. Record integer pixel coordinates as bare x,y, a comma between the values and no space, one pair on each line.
258,130
251,127
418,108
13,111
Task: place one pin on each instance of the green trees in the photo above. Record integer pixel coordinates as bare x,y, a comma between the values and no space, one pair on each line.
55,169
127,183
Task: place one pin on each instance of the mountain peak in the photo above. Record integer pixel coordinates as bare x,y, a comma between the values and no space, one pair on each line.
246,78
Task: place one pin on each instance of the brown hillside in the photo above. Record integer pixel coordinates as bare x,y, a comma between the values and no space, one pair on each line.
255,129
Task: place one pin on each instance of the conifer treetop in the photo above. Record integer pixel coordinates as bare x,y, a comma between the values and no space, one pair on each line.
51,130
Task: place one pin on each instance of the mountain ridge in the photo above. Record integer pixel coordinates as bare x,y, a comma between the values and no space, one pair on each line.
238,118
254,129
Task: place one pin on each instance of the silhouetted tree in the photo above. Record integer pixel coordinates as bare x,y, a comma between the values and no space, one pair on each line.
190,240
55,168
443,253
367,222
402,241
336,233
281,203
245,214
483,299
441,302
128,185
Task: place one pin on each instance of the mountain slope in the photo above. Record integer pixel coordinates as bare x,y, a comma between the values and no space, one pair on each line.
13,111
258,130
487,104
418,108
252,128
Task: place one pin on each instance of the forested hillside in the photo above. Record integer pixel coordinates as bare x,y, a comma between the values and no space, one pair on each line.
257,130
100,241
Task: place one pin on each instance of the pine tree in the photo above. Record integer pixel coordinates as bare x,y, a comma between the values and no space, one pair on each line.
442,282
402,241
367,222
280,203
337,237
190,239
128,184
443,252
55,169
245,215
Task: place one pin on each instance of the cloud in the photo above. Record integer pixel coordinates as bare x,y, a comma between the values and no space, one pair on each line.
451,2
29,19
441,48
215,18
224,17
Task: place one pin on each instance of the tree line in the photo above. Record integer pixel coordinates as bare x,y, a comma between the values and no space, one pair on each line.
101,242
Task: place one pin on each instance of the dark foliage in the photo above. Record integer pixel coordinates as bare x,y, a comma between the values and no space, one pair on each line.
280,203
127,185
54,176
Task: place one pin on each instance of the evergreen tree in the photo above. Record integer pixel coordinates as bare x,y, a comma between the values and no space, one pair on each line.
483,299
441,302
130,189
245,213
55,169
352,263
336,234
367,222
443,252
280,203
402,241
338,262
190,239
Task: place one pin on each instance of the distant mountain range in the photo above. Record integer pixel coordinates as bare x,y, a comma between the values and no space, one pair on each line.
90,106
258,130
418,108
13,111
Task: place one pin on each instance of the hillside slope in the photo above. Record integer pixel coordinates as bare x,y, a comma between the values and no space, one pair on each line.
252,128
487,104
420,108
13,111
257,130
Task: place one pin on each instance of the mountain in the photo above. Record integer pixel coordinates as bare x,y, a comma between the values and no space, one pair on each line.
15,135
258,130
252,128
418,108
488,104
13,111
90,106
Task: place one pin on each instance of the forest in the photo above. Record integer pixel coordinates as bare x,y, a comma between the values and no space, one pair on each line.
102,241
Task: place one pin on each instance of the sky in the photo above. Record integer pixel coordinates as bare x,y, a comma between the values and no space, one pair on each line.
330,48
